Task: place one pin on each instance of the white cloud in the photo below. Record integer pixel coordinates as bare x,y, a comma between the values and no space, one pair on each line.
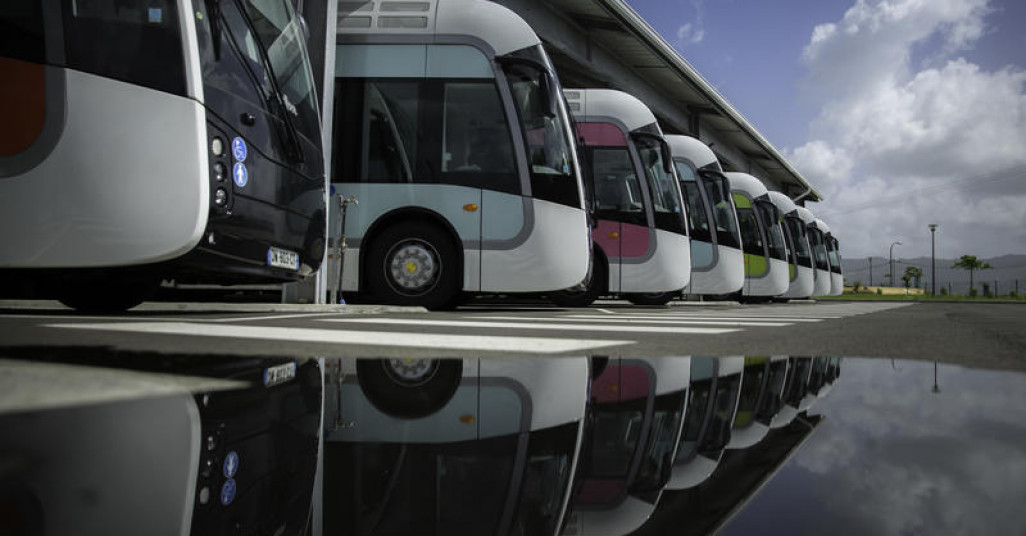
885,129
692,34
688,34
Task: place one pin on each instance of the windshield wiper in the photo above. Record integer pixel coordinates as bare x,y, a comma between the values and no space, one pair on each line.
294,149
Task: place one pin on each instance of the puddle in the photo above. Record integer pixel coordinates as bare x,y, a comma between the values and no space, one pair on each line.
597,445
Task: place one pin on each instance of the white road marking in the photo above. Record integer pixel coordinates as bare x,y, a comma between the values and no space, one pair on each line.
269,317
606,311
607,320
711,319
527,325
539,345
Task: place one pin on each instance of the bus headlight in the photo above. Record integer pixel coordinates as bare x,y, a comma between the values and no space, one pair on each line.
217,146
220,197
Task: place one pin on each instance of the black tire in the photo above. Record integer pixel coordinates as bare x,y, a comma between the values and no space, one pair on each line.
433,277
106,292
661,298
583,298
409,388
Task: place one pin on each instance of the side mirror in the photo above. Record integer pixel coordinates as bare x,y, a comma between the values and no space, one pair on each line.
667,157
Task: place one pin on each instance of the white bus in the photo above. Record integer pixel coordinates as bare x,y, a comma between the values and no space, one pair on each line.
157,139
640,242
636,417
450,446
817,240
800,268
717,262
762,237
833,254
450,129
712,406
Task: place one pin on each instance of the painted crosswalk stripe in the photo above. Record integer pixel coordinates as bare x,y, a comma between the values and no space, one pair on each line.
607,320
528,325
538,345
710,319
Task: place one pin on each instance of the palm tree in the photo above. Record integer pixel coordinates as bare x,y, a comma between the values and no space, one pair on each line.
971,263
912,273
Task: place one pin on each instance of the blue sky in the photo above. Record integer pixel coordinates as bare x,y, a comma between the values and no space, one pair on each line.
891,108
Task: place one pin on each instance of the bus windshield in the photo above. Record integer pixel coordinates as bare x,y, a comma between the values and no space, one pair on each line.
666,205
775,236
698,404
545,127
796,227
724,405
835,259
773,399
751,394
698,220
617,433
818,248
655,464
280,32
717,190
550,456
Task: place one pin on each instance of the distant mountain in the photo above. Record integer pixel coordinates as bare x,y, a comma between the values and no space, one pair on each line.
1007,272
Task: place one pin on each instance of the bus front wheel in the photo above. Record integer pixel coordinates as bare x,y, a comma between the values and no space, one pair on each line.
414,264
409,388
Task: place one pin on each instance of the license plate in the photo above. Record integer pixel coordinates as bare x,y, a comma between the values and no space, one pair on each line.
282,258
279,374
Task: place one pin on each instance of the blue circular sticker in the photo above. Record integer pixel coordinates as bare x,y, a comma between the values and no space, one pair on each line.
228,492
231,464
239,149
240,175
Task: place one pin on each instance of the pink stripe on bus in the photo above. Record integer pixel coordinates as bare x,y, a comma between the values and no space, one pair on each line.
633,240
601,134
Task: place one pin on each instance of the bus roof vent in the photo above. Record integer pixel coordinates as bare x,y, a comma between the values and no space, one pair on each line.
386,16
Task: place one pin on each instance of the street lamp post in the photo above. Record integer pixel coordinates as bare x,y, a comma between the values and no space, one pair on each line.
933,259
891,259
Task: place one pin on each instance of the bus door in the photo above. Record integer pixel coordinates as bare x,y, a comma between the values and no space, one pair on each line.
619,203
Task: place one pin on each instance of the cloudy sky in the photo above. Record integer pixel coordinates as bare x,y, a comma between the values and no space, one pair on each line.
892,457
901,112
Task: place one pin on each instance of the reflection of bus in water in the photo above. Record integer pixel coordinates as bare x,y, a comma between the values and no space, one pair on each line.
640,243
761,389
157,444
712,404
450,129
157,139
762,238
801,271
634,426
717,263
473,446
796,387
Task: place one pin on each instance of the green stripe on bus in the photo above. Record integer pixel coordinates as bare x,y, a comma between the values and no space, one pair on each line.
755,265
741,201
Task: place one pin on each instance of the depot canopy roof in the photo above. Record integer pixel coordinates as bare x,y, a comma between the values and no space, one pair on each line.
623,34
